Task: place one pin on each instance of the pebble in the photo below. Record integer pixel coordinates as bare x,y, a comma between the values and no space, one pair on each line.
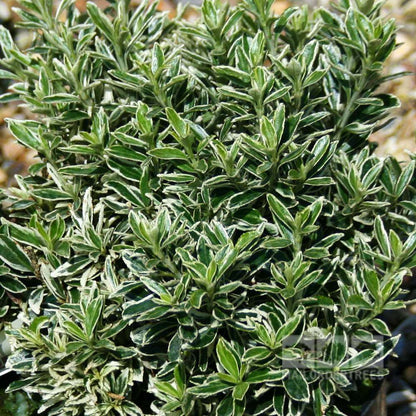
12,150
4,12
404,50
412,308
280,6
409,375
400,397
24,39
3,176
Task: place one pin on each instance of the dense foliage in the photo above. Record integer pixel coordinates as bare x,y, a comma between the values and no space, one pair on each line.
17,404
207,203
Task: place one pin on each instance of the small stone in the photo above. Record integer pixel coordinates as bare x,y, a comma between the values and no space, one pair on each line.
409,375
81,5
24,39
412,308
7,111
3,176
280,6
12,150
400,397
405,48
4,12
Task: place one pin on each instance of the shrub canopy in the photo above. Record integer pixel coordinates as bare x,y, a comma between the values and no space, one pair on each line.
207,209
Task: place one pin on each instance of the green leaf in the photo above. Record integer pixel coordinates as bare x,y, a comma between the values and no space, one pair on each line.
167,388
19,384
174,348
296,386
7,75
382,236
155,313
233,93
54,286
372,283
279,404
127,171
74,115
12,284
13,255
227,359
36,299
61,98
57,228
92,316
330,240
135,308
339,346
381,327
240,390
225,407
196,298
122,152
372,175
264,375
128,192
23,131
25,234
178,124
101,21
396,244
51,194
279,211
404,179
359,302
4,310
154,286
256,354
75,330
269,133
320,181
168,153
210,388
276,243
313,118
72,267
8,97
314,77
316,252
243,199
360,360
158,58
289,326
232,73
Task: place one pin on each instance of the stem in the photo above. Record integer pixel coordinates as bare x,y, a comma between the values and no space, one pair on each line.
349,108
167,262
266,28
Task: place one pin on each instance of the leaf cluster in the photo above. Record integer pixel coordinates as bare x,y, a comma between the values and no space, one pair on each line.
207,201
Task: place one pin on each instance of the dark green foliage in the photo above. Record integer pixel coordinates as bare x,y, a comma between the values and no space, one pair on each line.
207,202
17,404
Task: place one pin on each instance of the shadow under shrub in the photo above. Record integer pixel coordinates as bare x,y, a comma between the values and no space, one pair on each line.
209,231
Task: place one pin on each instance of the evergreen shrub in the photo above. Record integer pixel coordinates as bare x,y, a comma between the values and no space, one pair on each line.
208,230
